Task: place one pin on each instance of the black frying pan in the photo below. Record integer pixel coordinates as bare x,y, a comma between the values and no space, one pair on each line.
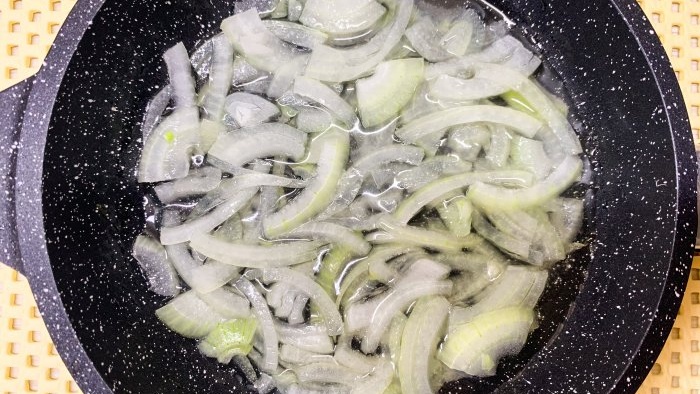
70,143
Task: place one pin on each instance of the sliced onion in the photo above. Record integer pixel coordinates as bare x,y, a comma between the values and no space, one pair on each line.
499,149
477,346
326,373
518,286
296,34
229,188
566,215
255,256
381,97
506,242
541,103
446,87
459,37
516,223
180,73
267,327
429,193
166,152
286,305
423,104
294,355
340,18
265,140
531,156
208,222
263,7
189,316
199,181
425,38
296,316
218,87
430,170
393,341
423,332
316,197
358,362
507,51
211,275
396,233
326,306
340,65
153,260
350,183
326,97
333,233
227,303
249,110
244,73
154,111
516,120
255,42
314,120
284,77
500,198
311,338
395,302
359,314
377,265
280,10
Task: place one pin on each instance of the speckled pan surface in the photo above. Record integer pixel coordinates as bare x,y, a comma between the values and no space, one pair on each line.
75,237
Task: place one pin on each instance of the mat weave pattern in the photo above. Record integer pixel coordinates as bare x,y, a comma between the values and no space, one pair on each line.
28,360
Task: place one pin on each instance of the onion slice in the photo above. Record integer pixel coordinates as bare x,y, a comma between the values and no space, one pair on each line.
255,42
434,190
326,306
153,260
255,256
421,335
500,198
395,302
326,97
339,65
515,120
266,326
265,140
316,197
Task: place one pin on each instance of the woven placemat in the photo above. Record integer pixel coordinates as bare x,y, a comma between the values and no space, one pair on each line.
28,360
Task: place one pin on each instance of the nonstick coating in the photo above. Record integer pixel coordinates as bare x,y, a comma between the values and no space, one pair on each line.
640,225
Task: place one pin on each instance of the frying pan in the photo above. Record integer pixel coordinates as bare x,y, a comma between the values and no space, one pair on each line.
70,142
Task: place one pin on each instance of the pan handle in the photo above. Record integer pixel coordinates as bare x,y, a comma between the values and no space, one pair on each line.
13,103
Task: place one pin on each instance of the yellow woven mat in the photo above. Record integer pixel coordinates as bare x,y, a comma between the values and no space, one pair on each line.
28,359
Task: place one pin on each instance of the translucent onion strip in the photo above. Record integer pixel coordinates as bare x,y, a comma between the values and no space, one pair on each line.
396,302
515,120
500,198
421,335
265,140
325,96
255,256
208,222
255,42
266,325
340,65
316,197
333,233
199,181
326,306
180,73
434,190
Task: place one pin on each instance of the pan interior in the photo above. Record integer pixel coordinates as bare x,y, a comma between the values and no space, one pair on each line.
93,205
